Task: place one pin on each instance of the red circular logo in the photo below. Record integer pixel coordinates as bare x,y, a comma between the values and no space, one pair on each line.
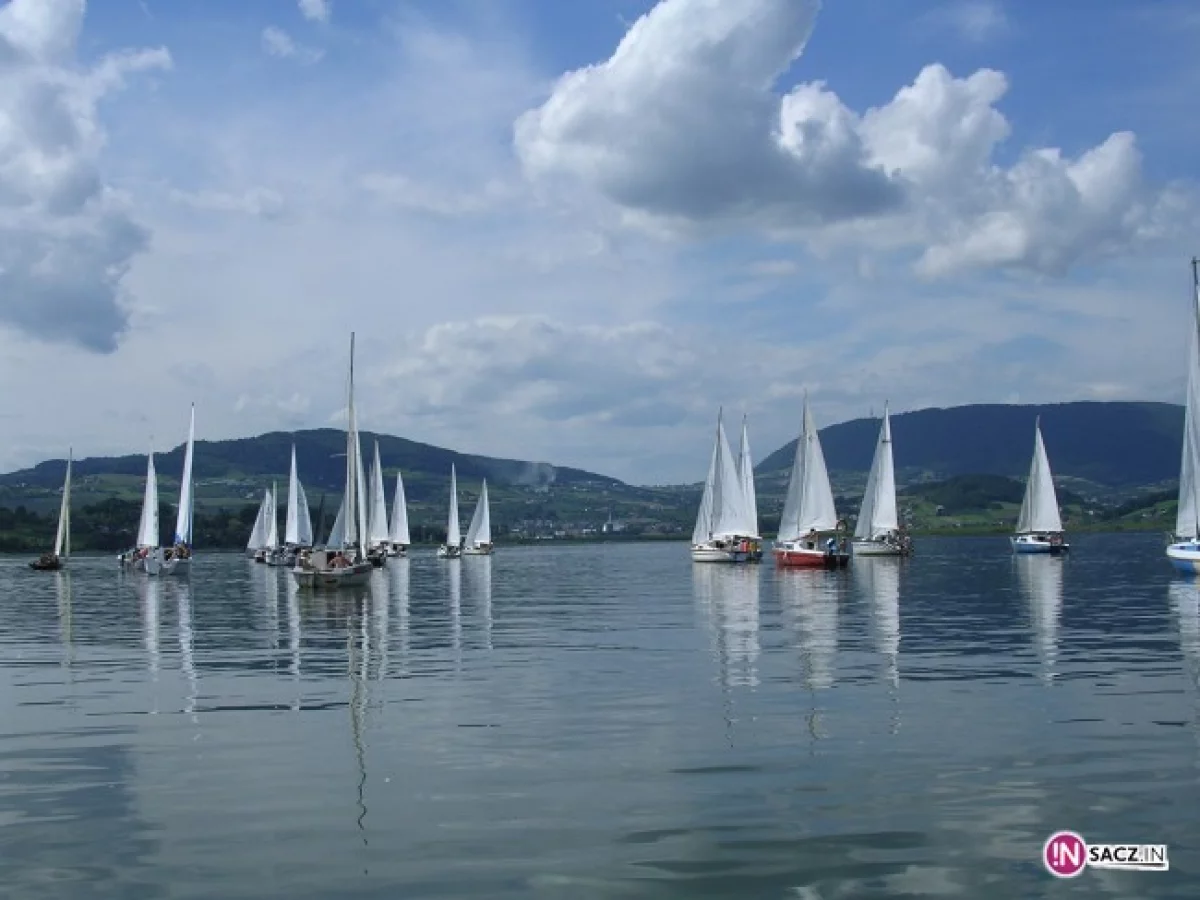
1065,854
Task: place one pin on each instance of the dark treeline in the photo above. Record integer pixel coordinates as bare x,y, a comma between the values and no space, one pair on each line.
111,525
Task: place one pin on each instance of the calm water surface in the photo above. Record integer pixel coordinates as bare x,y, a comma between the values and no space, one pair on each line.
603,721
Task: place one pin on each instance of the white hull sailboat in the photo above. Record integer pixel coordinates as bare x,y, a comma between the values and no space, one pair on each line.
745,473
256,546
398,535
146,556
272,553
53,562
479,532
452,549
877,532
297,528
344,563
723,532
377,518
178,559
1039,526
1184,548
808,509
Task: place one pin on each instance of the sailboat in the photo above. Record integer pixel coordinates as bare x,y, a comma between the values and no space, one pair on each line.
723,532
178,559
146,556
398,531
347,565
270,551
452,549
377,523
745,472
479,532
1039,527
808,509
877,532
52,562
297,528
1184,548
257,545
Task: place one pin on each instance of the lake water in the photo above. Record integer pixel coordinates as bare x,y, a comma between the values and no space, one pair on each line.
601,721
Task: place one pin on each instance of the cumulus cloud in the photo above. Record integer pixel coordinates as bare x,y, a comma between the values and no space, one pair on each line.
315,10
682,125
278,43
66,238
622,375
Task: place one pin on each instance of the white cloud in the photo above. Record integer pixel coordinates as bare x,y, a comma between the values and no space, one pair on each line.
66,237
681,126
315,10
972,20
495,317
277,42
262,202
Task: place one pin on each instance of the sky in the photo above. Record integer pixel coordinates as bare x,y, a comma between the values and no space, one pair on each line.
571,232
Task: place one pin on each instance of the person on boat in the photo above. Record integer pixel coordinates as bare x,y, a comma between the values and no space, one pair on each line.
830,545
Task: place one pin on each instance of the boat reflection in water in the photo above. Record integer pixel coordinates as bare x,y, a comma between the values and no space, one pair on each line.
1040,578
878,581
728,597
809,599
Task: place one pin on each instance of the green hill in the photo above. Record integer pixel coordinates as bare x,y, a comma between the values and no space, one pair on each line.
1114,444
970,462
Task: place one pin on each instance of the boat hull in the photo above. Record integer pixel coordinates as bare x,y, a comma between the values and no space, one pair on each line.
719,555
397,550
53,564
180,567
1185,557
804,558
477,551
445,552
1026,544
355,575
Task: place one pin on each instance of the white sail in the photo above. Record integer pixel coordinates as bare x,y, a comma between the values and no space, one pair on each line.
398,533
291,527
273,520
379,522
353,513
1039,508
878,515
1187,520
729,509
480,529
453,538
789,520
337,534
148,528
62,540
702,531
816,510
258,535
183,519
304,525
745,471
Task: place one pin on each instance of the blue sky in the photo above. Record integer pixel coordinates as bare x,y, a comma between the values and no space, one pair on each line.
571,231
